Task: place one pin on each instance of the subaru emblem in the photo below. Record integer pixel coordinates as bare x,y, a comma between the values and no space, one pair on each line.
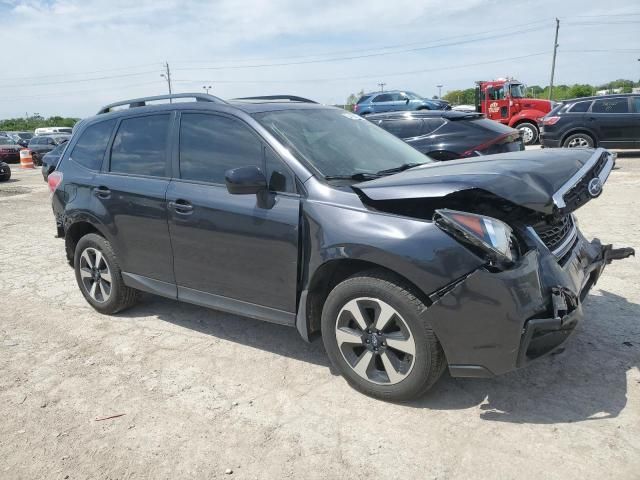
594,187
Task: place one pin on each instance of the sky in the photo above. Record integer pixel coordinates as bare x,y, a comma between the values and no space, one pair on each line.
70,57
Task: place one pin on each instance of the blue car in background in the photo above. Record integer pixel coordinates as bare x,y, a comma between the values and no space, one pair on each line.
395,100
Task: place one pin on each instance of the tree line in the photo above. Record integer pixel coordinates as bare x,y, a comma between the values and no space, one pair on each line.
36,121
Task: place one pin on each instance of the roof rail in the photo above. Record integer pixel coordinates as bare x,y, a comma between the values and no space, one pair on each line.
292,98
141,102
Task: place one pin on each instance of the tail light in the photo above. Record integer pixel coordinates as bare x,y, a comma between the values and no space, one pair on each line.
54,180
485,145
492,237
550,120
355,108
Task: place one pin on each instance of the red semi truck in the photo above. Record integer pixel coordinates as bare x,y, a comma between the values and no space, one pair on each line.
504,101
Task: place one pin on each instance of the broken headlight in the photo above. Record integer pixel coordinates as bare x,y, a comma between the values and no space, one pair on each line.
490,237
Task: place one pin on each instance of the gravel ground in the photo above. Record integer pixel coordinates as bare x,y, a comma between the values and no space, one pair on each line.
203,394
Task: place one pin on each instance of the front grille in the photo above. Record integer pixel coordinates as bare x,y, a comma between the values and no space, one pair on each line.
578,195
553,235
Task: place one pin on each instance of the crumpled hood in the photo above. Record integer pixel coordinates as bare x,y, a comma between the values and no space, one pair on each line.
528,178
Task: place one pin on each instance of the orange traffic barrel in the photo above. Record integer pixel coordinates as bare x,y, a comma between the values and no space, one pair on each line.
25,158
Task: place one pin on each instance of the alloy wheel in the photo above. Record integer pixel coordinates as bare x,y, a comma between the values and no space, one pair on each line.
578,142
95,274
375,341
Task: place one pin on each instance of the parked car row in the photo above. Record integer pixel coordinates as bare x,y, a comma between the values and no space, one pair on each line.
395,101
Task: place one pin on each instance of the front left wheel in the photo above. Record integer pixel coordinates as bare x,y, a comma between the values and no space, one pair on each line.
375,334
99,276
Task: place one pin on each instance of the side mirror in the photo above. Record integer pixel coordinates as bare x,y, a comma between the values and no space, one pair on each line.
245,180
407,101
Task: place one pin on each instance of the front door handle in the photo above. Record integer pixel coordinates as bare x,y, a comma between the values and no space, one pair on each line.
183,207
102,192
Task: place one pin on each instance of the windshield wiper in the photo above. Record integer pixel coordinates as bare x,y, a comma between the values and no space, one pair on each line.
359,177
401,168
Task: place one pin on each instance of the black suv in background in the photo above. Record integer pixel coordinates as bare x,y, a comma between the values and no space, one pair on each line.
611,121
287,211
43,144
447,134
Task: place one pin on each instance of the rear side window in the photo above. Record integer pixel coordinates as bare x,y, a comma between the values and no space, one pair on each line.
580,107
364,99
403,128
212,144
90,147
611,105
140,146
382,98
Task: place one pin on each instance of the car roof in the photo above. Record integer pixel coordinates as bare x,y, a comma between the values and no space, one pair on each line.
601,97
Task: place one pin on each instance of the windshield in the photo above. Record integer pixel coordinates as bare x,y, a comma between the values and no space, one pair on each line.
517,90
338,143
4,140
25,135
413,96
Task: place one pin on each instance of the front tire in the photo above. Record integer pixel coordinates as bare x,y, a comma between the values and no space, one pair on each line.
529,133
578,140
99,276
375,334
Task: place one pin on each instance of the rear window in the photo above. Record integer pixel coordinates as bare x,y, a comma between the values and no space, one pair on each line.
403,128
431,124
580,107
140,146
90,147
611,105
363,99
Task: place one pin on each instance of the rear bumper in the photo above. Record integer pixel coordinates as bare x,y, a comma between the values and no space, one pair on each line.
548,141
491,323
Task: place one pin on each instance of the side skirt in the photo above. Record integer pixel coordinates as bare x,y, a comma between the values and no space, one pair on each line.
209,300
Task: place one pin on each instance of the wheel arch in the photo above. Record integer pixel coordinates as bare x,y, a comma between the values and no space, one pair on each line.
582,130
325,278
77,229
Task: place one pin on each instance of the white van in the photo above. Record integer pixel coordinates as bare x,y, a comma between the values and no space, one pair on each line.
49,130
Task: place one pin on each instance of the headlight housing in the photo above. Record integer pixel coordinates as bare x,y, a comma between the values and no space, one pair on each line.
492,237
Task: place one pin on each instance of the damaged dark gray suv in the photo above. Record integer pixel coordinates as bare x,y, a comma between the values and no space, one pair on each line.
283,210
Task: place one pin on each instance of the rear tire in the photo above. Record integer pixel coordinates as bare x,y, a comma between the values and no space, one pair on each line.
529,133
578,140
401,358
99,276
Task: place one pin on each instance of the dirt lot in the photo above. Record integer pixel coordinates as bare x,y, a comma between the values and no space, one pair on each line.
203,391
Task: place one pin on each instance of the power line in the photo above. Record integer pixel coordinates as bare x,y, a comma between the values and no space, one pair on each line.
75,92
354,57
110,77
72,74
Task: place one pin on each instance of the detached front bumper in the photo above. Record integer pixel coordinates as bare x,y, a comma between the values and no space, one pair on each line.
490,323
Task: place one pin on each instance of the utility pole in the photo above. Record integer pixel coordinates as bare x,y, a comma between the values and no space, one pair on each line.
167,75
439,90
206,88
553,63
381,85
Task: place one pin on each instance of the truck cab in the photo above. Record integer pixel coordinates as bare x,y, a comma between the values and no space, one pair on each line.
505,101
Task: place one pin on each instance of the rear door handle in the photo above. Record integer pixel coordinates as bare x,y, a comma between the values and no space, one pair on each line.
102,192
183,207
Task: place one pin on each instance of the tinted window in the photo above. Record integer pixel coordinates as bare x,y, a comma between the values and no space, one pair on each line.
396,97
636,103
364,99
90,148
580,107
611,105
382,98
279,176
140,146
403,128
210,145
